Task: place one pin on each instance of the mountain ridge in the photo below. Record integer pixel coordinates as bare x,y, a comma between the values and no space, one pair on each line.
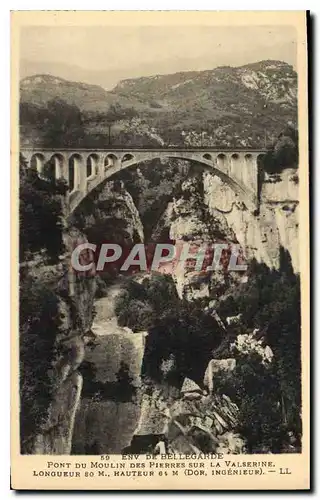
231,105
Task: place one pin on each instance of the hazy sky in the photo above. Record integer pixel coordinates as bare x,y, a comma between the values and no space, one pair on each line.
138,51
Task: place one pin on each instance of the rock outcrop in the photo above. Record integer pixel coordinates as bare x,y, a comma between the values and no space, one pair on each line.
189,220
109,214
250,343
276,225
75,295
203,424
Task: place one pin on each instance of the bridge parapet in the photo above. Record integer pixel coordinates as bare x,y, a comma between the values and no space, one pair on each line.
85,169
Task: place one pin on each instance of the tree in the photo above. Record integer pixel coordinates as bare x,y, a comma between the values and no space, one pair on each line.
40,214
177,329
254,387
186,334
270,301
39,324
283,153
64,126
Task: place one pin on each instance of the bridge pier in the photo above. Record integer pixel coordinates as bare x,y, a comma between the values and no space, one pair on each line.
100,168
64,170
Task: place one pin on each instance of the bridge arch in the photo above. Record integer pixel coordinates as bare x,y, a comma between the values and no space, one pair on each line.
219,165
92,165
260,157
207,156
127,157
234,163
37,162
237,168
222,161
55,166
75,164
110,160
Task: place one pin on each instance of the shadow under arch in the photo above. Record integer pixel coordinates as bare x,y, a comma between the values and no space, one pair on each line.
92,165
207,156
37,162
127,157
54,167
110,160
75,162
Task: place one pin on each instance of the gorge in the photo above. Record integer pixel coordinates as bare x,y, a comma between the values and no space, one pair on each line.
127,355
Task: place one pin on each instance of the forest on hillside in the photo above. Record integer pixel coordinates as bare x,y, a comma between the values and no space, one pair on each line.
64,125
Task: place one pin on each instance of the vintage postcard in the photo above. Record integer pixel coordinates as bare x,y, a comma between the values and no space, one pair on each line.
160,251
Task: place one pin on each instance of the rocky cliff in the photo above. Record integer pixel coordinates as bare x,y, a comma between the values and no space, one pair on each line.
109,214
276,225
74,296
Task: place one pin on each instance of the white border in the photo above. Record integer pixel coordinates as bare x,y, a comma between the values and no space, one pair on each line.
5,177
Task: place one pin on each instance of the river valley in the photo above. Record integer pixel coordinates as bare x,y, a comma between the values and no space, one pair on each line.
107,425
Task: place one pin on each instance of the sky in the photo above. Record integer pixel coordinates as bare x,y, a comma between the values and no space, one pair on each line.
105,54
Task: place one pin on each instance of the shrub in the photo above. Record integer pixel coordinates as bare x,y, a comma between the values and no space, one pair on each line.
39,320
39,324
283,153
270,301
40,214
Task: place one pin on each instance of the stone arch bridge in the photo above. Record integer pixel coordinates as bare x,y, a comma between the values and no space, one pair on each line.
85,169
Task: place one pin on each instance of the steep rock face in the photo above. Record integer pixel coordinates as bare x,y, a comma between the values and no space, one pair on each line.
56,435
276,225
213,213
152,186
191,222
75,295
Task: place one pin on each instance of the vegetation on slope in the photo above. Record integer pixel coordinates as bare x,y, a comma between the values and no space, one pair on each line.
182,339
269,398
40,231
220,107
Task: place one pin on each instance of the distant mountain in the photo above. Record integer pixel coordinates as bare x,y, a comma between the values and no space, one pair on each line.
225,106
107,79
40,89
268,80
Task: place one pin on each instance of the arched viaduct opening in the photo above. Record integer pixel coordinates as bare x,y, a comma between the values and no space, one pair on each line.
75,163
92,165
37,163
54,167
220,167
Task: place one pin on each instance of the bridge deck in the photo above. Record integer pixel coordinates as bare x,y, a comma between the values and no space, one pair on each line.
149,149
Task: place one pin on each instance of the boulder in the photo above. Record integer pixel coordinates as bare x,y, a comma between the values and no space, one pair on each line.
234,320
192,396
231,443
189,386
154,417
219,422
